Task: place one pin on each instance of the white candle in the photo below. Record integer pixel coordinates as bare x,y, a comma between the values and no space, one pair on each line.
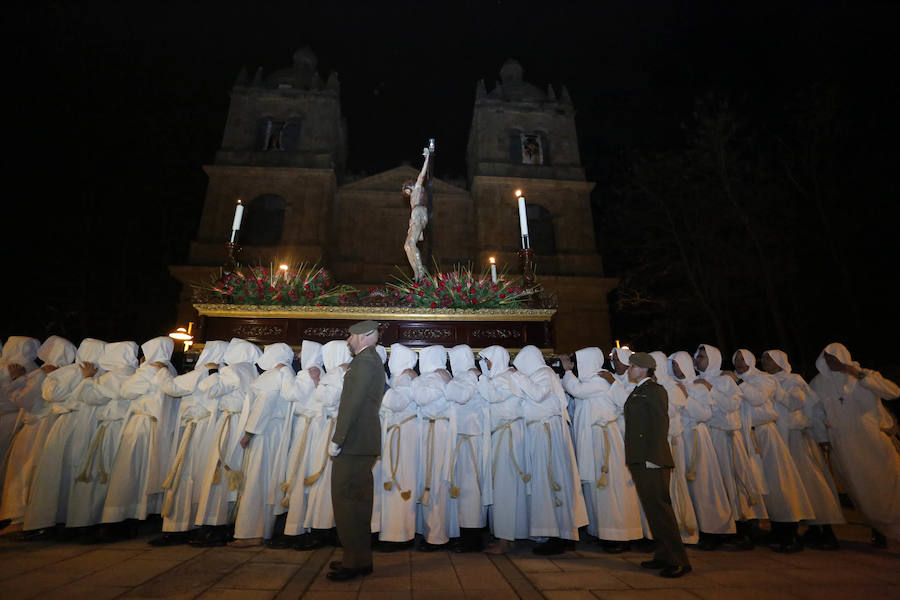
493,269
238,216
523,217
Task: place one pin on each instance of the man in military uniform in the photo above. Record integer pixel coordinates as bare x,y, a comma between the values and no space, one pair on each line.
355,445
650,460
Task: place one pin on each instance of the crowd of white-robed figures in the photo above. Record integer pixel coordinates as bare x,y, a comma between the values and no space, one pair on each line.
96,436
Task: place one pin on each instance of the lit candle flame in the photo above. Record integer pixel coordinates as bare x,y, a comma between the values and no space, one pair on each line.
518,193
491,260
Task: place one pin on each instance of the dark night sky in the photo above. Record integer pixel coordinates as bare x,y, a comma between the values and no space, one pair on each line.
118,108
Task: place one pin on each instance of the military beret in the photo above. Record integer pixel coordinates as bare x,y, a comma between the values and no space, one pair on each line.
642,360
363,327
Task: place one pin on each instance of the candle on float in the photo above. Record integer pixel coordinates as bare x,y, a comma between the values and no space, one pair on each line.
493,269
284,271
523,218
238,217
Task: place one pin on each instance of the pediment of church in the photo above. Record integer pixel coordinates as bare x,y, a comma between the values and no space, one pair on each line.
393,179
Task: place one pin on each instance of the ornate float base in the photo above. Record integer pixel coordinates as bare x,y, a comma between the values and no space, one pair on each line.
414,327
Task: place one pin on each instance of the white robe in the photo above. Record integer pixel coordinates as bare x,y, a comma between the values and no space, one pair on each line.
866,460
135,482
470,485
93,465
222,460
614,506
786,500
190,442
802,418
437,436
682,504
256,512
399,474
302,411
319,511
557,508
509,511
20,461
74,402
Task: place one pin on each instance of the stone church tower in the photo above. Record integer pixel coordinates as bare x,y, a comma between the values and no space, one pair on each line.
283,153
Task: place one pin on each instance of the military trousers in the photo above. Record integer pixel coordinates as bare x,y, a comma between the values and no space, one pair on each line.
652,486
351,497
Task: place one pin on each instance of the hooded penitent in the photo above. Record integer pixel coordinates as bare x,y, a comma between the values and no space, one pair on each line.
335,353
213,352
499,358
241,351
431,359
57,351
274,355
529,360
865,459
21,351
590,362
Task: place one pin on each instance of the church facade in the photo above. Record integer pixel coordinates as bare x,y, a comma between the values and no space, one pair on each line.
283,153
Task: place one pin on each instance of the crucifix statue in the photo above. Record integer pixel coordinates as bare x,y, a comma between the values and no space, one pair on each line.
418,218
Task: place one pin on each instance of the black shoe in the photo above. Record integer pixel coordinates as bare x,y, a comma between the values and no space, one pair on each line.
675,572
281,542
708,542
741,543
426,547
4,523
550,547
789,547
878,539
347,573
335,565
170,539
37,535
310,542
654,564
615,547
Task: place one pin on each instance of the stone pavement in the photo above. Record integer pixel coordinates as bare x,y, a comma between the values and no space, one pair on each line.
132,569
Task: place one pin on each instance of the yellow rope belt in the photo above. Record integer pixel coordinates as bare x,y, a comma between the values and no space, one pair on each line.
315,476
394,457
504,429
601,483
682,504
425,498
294,463
691,475
750,499
235,478
463,437
554,486
173,479
96,443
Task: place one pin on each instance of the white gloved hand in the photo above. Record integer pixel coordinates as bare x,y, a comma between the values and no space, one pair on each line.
333,449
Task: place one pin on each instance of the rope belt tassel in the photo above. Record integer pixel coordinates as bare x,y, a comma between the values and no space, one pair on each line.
394,457
601,483
454,489
503,430
425,498
85,475
315,476
288,485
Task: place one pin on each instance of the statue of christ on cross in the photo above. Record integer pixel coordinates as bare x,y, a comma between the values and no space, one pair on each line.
418,218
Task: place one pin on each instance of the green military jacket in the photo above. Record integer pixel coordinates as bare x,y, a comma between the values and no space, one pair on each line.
358,430
647,425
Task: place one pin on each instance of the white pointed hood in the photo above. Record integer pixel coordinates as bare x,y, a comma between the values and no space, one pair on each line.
159,349
685,363
118,355
750,359
623,354
22,351
662,368
213,352
57,351
780,358
499,358
590,362
90,350
529,360
401,358
714,368
274,355
461,359
432,358
839,351
241,351
335,353
310,354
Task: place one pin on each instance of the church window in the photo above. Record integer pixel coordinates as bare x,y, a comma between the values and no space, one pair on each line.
263,221
540,229
279,135
529,147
